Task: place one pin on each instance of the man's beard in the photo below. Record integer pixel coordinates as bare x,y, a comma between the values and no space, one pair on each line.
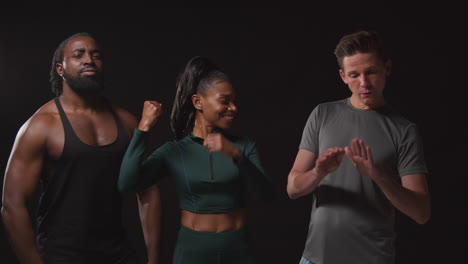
88,85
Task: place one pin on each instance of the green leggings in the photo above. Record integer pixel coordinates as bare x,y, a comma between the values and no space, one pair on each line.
194,247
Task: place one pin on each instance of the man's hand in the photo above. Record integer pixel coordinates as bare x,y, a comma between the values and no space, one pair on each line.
328,161
361,156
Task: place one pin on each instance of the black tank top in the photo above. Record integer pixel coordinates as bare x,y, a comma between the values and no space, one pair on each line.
79,217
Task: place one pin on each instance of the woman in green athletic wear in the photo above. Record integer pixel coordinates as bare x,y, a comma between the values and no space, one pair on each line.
212,169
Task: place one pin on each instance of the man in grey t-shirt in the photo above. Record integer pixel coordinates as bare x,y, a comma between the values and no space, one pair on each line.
352,219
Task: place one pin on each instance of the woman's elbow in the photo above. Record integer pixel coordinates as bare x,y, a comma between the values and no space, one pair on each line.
124,187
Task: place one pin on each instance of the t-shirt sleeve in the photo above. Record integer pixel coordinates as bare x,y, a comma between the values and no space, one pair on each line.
410,153
309,140
137,174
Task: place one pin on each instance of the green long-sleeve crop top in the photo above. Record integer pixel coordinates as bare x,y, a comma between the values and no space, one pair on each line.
203,186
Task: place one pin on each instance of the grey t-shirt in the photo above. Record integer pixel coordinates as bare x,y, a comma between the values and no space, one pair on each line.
352,221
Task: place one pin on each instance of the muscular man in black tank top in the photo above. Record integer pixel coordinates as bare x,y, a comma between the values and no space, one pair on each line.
73,145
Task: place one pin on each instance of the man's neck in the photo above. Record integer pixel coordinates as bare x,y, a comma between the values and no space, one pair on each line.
356,103
75,101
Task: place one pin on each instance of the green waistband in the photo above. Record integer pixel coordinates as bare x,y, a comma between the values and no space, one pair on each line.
197,240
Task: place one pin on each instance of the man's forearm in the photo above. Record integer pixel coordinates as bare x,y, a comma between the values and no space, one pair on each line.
301,184
151,232
149,206
21,236
411,203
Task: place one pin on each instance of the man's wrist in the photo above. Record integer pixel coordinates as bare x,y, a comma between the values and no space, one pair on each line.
318,174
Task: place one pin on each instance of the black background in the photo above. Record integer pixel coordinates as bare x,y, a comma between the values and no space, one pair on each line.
282,64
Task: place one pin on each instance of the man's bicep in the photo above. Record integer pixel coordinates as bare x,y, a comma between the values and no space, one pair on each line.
24,165
415,182
305,161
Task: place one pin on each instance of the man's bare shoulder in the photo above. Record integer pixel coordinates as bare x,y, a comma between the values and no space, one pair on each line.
43,120
48,112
